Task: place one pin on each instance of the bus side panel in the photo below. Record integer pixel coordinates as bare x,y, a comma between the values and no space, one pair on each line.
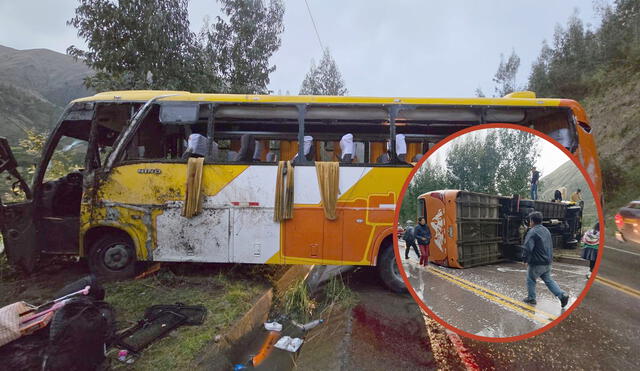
333,250
303,237
202,238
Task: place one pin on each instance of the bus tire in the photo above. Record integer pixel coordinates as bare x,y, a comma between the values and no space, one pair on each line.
388,271
112,257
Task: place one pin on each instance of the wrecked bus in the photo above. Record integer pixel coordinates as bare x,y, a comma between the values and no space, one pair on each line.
470,229
121,200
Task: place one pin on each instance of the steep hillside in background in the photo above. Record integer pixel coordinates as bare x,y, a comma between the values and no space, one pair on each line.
568,176
57,77
22,109
615,118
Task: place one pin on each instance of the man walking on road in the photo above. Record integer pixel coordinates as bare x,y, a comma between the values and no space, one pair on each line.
423,235
538,254
535,176
409,238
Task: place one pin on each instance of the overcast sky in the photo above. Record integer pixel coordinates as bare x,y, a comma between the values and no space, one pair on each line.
383,48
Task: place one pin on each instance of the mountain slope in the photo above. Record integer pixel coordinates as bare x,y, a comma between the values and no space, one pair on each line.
22,109
570,177
57,77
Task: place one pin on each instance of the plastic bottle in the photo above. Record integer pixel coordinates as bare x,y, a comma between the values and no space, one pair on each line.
308,326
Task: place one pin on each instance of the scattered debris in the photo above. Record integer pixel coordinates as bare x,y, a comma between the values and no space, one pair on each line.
307,326
273,326
266,348
152,269
289,344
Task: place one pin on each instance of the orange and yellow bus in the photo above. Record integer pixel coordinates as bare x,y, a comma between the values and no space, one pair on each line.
123,202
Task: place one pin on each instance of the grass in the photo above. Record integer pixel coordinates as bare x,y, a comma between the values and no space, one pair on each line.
226,295
337,293
297,303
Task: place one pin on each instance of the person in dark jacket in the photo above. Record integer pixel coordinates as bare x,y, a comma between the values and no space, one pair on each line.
538,254
535,176
409,238
423,235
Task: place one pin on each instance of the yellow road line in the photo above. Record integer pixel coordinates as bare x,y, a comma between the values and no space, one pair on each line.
494,293
618,286
492,298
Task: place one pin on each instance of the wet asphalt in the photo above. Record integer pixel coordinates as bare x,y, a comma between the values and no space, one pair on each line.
602,333
487,300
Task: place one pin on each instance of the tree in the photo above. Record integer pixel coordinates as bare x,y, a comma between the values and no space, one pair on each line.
539,81
139,44
239,47
430,177
147,44
479,93
325,79
473,163
518,153
505,77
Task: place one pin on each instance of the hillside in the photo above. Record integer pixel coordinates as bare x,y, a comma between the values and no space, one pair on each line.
568,176
22,109
615,117
55,76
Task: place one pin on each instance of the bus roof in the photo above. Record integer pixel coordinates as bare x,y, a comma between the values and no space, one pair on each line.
522,99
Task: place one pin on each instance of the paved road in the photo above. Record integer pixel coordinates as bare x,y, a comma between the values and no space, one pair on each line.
602,333
487,300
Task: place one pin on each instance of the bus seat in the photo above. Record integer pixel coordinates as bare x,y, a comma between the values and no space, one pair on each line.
401,147
383,158
308,148
346,148
257,153
272,157
247,148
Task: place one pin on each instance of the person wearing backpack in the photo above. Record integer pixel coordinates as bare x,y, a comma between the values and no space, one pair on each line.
409,238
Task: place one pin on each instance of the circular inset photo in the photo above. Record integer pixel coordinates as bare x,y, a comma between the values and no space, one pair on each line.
500,233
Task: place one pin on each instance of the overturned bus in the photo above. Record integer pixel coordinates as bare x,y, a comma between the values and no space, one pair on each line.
470,229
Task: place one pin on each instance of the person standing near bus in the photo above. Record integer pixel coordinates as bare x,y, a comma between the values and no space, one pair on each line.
590,243
538,254
535,176
576,196
423,235
409,238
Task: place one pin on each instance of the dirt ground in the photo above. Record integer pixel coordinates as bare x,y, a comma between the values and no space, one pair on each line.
226,290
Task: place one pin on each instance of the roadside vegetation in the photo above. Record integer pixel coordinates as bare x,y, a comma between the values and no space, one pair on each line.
600,67
300,305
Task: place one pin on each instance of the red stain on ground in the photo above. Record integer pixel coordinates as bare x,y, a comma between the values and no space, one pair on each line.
387,336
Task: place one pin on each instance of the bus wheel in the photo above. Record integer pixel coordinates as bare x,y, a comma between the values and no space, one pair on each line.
113,257
388,271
